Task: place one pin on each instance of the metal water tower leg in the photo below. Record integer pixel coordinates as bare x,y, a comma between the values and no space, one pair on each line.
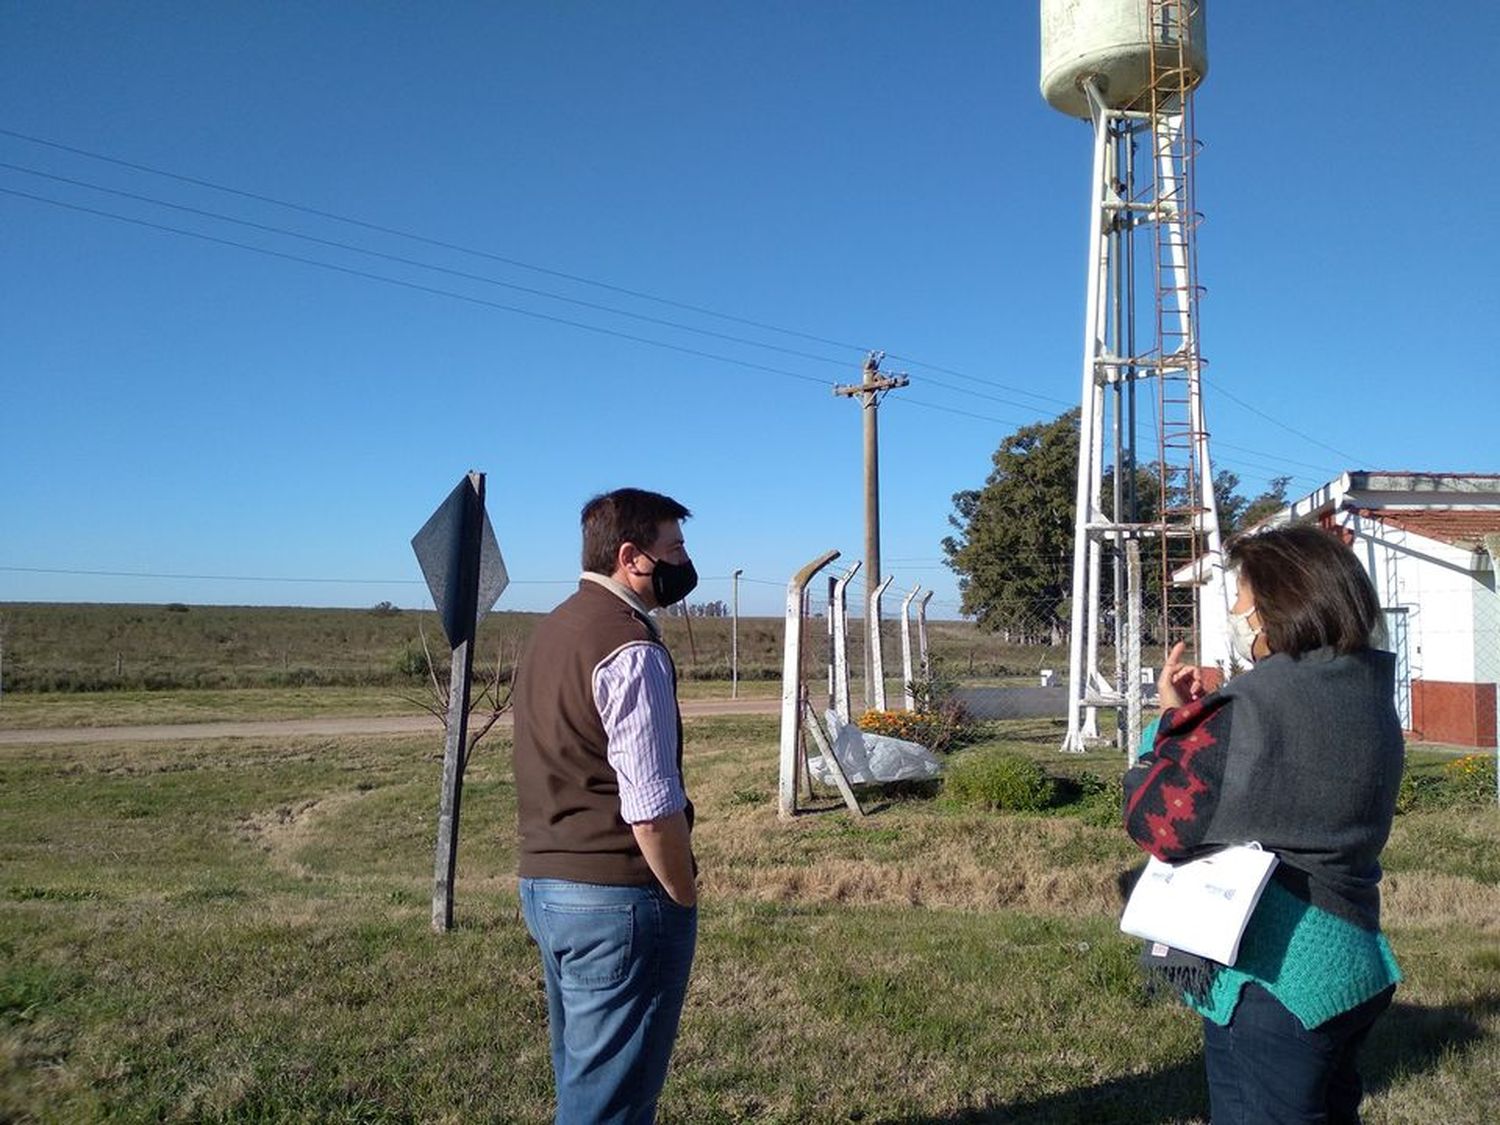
791,684
908,694
1093,347
877,657
1133,650
1096,485
840,700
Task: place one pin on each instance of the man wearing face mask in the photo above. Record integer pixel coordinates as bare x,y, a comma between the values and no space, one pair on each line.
608,882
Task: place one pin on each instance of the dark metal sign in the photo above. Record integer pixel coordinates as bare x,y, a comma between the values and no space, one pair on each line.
448,566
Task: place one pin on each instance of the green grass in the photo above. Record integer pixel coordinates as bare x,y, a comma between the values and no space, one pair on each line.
238,931
71,647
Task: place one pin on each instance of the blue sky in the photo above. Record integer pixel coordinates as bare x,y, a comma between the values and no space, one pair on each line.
871,175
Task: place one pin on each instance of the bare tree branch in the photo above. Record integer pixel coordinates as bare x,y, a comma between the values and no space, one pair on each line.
487,705
437,689
497,703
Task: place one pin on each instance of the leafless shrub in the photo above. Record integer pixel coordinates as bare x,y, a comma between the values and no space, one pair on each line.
486,705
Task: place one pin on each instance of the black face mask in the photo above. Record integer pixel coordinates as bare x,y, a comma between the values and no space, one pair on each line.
671,582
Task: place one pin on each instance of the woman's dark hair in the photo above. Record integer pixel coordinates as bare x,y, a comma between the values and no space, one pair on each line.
626,515
1309,589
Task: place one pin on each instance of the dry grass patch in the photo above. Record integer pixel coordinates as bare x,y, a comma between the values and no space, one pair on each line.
1429,900
941,880
283,831
238,931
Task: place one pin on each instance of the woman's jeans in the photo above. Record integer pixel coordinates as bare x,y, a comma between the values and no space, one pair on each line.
1266,1067
616,963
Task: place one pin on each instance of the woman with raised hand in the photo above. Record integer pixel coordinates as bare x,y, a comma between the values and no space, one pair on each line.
1302,753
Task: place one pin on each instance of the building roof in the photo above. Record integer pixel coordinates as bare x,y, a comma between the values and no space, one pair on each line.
1385,480
1461,527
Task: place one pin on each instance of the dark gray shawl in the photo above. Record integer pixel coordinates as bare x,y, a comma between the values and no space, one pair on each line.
1302,754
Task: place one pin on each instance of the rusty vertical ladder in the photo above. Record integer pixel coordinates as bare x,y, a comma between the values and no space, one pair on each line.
1185,506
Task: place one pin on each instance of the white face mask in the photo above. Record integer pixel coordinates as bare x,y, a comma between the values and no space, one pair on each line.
1242,636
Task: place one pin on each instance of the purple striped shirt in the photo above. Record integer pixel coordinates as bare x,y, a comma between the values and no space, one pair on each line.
633,691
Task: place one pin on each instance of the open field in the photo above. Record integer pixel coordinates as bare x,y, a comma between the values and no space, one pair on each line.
237,931
76,647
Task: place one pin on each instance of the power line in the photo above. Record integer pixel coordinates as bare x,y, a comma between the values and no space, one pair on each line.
1322,469
105,573
246,577
352,272
434,290
319,578
413,236
1256,470
326,580
1350,460
1264,456
560,274
401,260
930,381
1068,403
515,262
954,410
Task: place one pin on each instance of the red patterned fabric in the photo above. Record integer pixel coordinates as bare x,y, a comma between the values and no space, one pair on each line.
1168,812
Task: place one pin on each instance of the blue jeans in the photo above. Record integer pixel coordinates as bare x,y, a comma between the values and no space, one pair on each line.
1266,1067
616,963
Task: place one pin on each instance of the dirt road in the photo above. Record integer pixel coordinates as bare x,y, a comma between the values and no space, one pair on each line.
331,725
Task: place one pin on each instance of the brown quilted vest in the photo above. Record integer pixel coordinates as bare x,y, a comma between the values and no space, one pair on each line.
567,794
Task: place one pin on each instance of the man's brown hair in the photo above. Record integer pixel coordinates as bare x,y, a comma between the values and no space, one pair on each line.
626,515
1309,589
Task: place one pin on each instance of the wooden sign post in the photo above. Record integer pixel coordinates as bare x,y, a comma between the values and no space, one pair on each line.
461,561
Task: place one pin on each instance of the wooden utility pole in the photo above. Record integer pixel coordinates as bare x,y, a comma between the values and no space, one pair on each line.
869,391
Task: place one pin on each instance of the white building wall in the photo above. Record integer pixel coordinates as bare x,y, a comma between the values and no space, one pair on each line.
1448,594
1445,634
1434,582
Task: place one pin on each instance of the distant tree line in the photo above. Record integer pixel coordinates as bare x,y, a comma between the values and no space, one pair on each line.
698,609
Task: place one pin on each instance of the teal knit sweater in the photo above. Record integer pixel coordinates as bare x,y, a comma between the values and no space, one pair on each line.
1316,964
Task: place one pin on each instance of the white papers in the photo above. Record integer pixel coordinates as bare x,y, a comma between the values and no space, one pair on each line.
1199,907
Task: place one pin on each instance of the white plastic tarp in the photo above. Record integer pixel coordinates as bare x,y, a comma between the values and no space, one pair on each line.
869,759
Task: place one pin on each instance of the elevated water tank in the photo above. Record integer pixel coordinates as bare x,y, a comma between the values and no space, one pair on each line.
1110,41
